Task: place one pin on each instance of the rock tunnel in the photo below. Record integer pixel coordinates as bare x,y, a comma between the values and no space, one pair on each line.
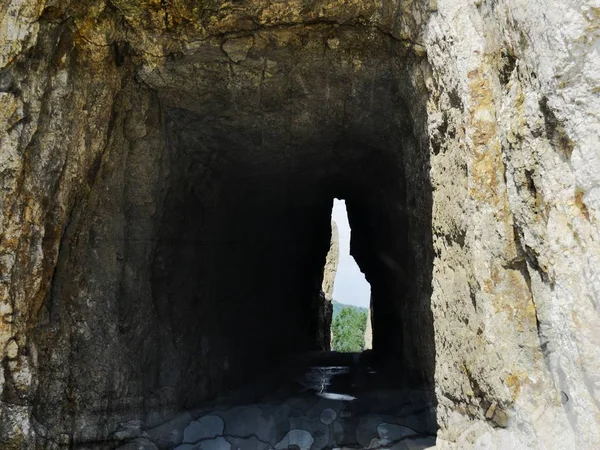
168,174
201,248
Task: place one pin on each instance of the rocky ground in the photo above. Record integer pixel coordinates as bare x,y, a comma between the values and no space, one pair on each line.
334,401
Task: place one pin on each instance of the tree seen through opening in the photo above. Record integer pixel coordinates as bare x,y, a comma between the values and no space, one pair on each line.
351,295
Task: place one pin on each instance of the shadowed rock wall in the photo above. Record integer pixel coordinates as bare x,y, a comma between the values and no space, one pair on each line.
190,257
167,171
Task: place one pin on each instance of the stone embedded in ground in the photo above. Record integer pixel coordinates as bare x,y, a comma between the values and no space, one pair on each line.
366,431
328,416
390,433
203,428
171,432
219,443
300,439
250,420
319,431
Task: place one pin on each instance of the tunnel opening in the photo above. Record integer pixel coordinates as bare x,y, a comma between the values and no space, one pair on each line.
350,293
202,245
258,237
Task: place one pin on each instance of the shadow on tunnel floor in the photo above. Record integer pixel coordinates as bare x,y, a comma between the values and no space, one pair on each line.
317,401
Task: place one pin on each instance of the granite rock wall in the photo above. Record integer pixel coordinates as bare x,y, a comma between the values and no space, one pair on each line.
167,171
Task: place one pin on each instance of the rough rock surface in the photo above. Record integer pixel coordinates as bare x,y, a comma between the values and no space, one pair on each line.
369,332
331,263
318,411
326,307
148,148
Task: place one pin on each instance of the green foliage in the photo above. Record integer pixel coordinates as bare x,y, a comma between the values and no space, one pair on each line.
337,307
348,330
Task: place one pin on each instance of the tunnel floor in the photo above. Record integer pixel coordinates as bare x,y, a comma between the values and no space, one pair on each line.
321,401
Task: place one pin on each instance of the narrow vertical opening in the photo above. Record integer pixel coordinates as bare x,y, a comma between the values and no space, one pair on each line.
350,325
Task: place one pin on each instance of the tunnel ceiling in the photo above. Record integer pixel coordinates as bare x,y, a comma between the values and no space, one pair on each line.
297,87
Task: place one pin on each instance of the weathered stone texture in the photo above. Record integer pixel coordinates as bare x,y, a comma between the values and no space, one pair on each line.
518,234
369,332
331,263
123,125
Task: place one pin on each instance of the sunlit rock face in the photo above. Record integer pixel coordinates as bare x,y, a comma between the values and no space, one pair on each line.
167,173
326,294
331,263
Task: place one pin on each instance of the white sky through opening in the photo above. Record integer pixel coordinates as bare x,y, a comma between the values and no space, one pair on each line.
350,285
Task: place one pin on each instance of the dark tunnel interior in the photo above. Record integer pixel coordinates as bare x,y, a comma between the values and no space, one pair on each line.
242,245
205,238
